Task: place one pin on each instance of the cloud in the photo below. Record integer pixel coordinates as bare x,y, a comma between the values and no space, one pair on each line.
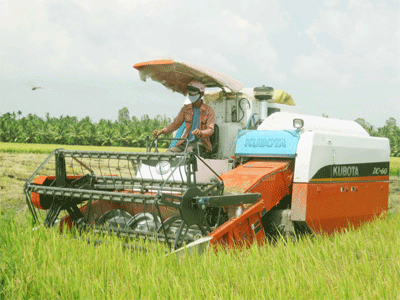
195,51
361,41
331,3
237,43
87,65
235,29
224,63
34,45
126,8
48,38
359,28
228,28
322,67
235,22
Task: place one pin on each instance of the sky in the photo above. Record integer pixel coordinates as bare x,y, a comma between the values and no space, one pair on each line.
339,58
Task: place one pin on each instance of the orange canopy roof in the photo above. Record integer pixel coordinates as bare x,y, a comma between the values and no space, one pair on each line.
176,75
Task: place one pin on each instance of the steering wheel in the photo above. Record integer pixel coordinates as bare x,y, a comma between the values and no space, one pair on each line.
154,142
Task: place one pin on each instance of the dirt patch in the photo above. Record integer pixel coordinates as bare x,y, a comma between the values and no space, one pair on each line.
15,169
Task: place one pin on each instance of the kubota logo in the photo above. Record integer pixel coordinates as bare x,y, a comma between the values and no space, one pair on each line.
277,143
345,171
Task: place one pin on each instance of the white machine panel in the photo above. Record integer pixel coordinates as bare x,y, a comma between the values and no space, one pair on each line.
228,133
316,150
164,171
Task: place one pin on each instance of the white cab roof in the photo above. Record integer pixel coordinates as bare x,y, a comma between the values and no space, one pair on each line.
284,120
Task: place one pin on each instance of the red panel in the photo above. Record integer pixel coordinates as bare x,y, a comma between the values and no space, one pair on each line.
41,179
239,231
35,198
46,200
327,207
243,178
272,179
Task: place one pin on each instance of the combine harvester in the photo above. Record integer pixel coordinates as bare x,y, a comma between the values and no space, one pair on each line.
272,171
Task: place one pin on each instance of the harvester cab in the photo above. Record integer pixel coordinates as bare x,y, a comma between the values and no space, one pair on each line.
273,171
236,108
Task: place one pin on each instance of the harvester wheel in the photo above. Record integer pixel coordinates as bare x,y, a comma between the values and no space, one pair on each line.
168,223
145,221
180,230
116,218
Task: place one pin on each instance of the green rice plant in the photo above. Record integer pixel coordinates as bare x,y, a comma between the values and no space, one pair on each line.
361,263
394,169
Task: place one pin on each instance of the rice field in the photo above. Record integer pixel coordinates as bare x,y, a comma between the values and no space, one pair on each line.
48,148
356,264
361,263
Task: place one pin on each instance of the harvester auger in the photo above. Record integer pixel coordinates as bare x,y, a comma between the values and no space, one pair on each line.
272,171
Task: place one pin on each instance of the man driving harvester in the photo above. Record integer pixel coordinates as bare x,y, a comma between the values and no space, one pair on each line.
199,120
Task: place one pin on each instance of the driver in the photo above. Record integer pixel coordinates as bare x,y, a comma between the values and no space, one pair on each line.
199,120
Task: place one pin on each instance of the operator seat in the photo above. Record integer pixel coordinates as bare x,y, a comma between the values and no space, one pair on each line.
214,139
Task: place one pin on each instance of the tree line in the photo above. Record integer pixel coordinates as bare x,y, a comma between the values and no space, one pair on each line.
66,130
126,131
390,130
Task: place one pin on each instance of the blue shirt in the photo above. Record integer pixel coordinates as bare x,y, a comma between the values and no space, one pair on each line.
195,123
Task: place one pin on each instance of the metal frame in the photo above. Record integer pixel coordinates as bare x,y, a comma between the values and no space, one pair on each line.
69,194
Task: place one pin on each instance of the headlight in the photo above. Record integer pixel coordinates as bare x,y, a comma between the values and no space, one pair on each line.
298,123
163,167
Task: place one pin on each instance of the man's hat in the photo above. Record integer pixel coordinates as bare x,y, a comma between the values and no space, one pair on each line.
196,87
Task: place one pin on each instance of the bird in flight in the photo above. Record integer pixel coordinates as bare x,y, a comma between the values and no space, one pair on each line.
32,86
